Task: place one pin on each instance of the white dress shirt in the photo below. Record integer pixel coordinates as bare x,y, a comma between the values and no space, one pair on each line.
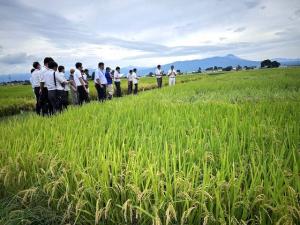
100,74
62,75
158,73
42,74
117,76
134,78
129,76
77,75
35,78
172,73
50,82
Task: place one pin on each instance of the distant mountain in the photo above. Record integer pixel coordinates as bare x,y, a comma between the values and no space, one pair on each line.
288,62
193,65
14,77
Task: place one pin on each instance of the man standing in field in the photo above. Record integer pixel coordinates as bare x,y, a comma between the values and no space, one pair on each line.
80,84
172,74
35,82
158,74
117,80
100,82
66,88
135,79
130,82
44,100
110,88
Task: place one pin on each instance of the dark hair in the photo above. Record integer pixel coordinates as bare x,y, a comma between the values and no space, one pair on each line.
35,65
100,64
134,70
61,68
130,71
158,66
52,65
31,71
78,64
47,60
86,70
107,68
117,68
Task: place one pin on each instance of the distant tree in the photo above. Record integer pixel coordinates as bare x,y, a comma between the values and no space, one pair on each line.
93,75
199,70
228,68
275,64
150,74
220,68
266,63
238,68
215,68
209,69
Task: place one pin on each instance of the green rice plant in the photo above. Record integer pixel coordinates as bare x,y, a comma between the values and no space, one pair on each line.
220,150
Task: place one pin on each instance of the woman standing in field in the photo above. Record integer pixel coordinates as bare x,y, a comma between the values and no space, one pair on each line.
135,79
73,88
117,80
110,88
172,74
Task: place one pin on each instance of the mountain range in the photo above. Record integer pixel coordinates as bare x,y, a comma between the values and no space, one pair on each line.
183,66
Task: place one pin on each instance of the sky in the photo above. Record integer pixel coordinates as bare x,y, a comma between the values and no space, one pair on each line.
144,32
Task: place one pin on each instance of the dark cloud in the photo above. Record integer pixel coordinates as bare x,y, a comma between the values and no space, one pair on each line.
297,13
240,29
263,7
18,58
251,3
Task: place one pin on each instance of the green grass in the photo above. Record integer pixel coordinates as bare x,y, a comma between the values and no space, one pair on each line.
19,98
220,150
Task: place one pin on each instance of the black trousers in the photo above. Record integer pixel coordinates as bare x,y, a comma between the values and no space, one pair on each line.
38,107
129,87
118,89
45,103
135,91
82,95
53,99
65,100
159,82
101,92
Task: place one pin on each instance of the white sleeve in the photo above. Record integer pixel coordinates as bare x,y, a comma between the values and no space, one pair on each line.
60,78
42,77
169,72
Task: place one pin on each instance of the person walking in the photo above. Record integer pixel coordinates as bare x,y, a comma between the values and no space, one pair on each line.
158,74
109,78
73,88
135,79
44,100
130,82
117,81
172,75
66,88
80,84
35,83
100,82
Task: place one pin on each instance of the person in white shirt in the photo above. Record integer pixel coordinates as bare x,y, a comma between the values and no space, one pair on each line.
44,100
80,84
135,79
35,82
130,82
158,74
65,92
100,82
117,81
172,74
55,84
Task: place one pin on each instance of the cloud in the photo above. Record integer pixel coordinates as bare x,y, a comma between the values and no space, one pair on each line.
240,29
18,58
251,3
297,12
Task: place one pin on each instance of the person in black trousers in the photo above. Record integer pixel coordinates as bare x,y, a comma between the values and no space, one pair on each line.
44,100
35,82
118,82
130,84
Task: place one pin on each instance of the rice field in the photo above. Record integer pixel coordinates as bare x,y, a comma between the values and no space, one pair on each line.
19,98
220,150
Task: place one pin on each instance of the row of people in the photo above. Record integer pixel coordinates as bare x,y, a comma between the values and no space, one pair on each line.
51,87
